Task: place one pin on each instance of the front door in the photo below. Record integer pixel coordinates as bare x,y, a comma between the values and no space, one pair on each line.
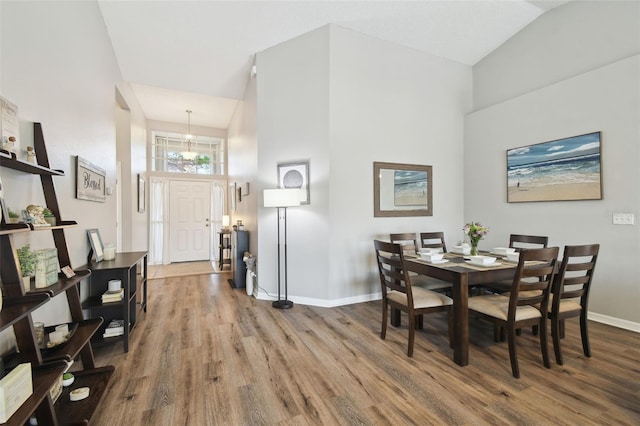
189,223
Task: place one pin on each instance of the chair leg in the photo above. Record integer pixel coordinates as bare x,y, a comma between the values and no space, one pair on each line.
513,355
543,342
584,332
498,333
412,333
555,335
534,330
420,322
450,325
383,332
395,317
562,329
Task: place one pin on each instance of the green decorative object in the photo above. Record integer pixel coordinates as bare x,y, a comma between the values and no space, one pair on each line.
49,217
27,260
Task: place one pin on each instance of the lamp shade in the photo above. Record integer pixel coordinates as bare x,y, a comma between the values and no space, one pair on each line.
225,220
281,197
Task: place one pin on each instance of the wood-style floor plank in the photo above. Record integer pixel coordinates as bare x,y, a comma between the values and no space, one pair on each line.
206,354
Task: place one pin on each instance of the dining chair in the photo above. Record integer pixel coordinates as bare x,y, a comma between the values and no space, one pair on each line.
433,240
527,300
518,242
399,293
410,246
570,294
407,240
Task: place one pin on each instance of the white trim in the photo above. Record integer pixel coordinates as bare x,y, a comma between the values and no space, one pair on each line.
262,295
324,303
615,322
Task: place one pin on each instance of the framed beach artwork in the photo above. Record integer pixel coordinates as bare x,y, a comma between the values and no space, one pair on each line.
402,190
560,170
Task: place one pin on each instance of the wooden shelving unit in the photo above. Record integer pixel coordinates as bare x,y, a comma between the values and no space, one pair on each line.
224,257
48,364
124,268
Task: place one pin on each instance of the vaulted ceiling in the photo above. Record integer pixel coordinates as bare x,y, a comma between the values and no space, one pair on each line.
197,55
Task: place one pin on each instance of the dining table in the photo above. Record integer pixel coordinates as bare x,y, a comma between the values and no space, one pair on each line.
462,275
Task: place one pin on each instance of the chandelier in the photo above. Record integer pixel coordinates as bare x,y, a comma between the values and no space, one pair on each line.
188,154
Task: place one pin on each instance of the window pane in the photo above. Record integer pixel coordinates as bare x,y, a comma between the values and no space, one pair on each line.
172,153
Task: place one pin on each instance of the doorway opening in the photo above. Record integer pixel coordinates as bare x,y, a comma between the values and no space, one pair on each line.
183,216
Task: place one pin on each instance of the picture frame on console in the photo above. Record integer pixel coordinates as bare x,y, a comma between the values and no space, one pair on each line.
97,249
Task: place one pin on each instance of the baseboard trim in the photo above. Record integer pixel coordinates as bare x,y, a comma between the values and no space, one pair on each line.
615,322
324,303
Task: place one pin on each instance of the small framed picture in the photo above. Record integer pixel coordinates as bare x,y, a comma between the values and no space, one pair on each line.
295,175
97,249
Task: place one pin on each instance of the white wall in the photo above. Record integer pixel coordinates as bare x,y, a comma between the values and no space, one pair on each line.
564,42
606,99
132,153
393,104
344,100
243,164
58,67
293,124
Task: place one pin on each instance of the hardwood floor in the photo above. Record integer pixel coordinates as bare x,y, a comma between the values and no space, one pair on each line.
205,354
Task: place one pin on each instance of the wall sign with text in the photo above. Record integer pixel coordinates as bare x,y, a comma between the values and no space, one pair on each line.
90,181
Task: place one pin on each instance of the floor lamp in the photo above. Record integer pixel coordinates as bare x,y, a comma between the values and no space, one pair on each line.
281,199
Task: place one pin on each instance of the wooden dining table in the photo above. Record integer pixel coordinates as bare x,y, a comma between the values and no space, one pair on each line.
461,275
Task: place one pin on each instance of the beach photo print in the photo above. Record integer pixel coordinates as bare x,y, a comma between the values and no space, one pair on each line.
559,170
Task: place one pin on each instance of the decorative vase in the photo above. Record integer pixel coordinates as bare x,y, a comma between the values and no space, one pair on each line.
51,220
474,248
26,283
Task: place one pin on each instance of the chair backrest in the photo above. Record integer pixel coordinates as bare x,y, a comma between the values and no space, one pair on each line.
527,241
407,240
533,278
433,240
393,275
575,274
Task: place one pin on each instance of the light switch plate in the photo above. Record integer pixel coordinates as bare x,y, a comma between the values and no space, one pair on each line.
623,219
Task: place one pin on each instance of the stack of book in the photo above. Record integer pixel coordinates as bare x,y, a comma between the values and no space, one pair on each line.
113,296
115,328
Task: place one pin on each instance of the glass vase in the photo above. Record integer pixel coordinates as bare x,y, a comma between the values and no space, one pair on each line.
474,248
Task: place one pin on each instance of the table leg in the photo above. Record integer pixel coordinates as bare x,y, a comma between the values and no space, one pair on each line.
461,321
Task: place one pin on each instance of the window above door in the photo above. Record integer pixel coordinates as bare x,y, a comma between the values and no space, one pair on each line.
168,148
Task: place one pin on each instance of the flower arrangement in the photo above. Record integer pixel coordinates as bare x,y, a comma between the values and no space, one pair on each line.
475,231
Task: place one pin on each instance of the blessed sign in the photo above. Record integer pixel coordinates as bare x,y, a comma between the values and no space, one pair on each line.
90,181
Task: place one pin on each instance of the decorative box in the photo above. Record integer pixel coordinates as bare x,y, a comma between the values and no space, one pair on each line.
56,389
47,267
15,388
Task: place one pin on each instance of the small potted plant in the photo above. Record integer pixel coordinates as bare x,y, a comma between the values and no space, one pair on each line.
49,217
13,217
27,260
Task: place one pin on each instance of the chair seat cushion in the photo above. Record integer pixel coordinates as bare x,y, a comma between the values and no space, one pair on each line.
498,306
422,298
566,305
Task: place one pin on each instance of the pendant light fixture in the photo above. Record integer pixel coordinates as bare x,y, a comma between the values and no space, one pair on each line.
188,154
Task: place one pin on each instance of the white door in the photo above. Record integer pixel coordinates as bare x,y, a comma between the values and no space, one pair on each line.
189,223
